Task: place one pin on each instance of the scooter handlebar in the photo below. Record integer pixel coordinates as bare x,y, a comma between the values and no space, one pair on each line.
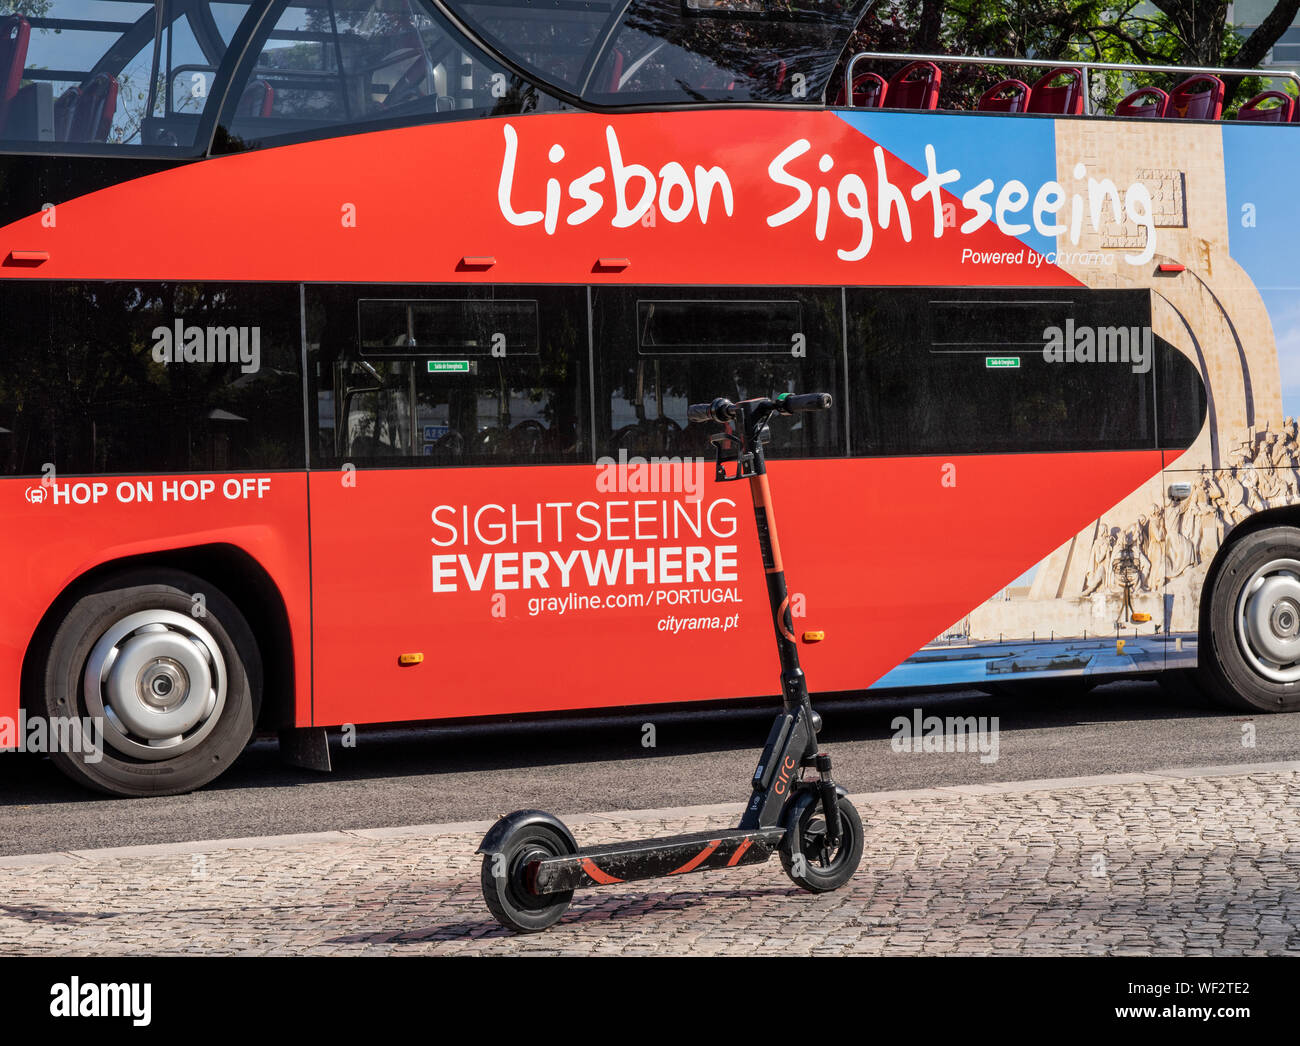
723,410
702,412
793,404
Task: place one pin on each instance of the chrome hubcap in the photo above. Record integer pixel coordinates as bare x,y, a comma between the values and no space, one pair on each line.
158,680
1268,621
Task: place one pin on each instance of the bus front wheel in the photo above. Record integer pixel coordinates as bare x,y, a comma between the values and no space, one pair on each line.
158,677
1253,635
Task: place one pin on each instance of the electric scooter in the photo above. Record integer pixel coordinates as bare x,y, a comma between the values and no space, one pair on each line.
531,862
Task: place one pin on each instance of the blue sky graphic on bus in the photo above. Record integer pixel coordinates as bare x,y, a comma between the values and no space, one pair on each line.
1261,202
1026,150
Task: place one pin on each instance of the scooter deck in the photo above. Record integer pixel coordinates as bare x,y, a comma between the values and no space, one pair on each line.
653,858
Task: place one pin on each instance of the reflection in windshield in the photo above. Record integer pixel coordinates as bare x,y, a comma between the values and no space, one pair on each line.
99,72
661,51
326,66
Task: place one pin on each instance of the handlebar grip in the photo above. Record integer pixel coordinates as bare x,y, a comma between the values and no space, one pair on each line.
791,404
720,409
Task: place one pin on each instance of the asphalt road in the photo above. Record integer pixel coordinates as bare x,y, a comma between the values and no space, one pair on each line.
434,775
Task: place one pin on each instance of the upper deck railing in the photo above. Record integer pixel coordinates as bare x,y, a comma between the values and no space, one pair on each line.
1087,68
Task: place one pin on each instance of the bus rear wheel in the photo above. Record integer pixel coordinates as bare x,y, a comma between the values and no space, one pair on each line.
1253,634
158,674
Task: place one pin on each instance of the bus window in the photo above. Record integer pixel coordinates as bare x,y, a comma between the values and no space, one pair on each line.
481,379
661,349
328,66
150,377
985,372
98,76
681,52
553,39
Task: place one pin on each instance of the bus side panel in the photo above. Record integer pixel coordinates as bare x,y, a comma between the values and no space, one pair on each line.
747,215
73,525
467,567
1223,291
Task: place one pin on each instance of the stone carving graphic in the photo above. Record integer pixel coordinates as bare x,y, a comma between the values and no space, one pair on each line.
1127,574
1247,457
1260,474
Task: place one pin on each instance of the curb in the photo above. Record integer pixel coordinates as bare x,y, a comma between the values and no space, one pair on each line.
729,810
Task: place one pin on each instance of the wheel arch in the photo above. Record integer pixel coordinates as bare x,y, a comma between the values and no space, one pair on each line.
233,571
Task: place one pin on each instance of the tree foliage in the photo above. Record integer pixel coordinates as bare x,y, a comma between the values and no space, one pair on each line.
1176,32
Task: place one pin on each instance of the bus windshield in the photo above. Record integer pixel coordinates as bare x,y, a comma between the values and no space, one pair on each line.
655,52
94,73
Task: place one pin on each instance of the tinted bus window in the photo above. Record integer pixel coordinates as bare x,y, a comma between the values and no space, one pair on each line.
328,66
1181,395
124,377
699,50
671,51
420,327
98,76
967,372
553,39
449,376
660,349
731,327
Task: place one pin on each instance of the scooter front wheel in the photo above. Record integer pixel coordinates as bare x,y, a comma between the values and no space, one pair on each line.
504,879
807,857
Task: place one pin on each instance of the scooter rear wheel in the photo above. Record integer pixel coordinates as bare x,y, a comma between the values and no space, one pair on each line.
504,880
809,861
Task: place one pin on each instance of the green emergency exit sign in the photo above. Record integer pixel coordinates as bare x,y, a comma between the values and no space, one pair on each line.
449,366
1001,362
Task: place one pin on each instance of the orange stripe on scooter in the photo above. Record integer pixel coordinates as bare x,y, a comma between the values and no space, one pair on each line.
740,852
698,859
589,866
780,619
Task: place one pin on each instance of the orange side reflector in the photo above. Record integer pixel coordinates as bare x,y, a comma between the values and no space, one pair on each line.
409,659
813,637
1142,617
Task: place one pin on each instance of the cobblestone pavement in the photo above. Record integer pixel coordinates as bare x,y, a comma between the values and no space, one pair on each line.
1179,862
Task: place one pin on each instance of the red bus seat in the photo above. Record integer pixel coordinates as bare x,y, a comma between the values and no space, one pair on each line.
869,91
1283,112
85,113
256,99
1186,102
616,63
64,106
14,34
915,87
1145,101
768,76
1064,100
1010,96
773,72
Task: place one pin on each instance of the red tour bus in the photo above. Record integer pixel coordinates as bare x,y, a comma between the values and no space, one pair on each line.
346,345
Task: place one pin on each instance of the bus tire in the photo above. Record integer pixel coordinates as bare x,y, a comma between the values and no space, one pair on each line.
1252,638
169,667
